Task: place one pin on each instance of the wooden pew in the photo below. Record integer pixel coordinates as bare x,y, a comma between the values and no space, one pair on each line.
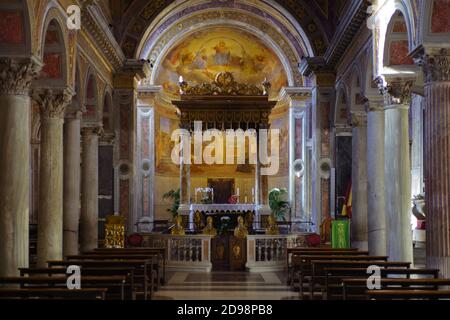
334,277
111,283
407,294
317,275
127,272
120,256
307,251
162,251
301,264
356,287
143,268
58,293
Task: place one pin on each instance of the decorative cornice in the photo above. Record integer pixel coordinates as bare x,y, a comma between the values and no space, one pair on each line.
435,63
16,74
53,102
354,18
94,23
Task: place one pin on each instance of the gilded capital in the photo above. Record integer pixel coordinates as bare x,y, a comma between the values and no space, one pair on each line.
53,102
16,74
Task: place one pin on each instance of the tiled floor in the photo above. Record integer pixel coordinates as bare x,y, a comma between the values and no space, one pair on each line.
226,285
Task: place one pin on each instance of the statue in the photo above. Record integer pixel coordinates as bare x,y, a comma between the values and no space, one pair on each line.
209,229
198,220
240,231
273,226
178,229
249,219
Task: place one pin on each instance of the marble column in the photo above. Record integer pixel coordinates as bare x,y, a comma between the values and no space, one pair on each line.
359,181
185,197
397,166
436,65
52,105
72,178
89,188
376,211
16,75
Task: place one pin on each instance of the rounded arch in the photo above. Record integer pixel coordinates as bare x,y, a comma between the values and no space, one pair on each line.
107,111
54,47
270,22
91,95
342,106
356,86
397,43
383,18
18,21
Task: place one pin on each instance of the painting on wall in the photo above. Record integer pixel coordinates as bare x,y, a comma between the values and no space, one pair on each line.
282,124
202,55
164,146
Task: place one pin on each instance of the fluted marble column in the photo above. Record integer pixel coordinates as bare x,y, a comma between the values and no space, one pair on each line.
15,78
376,211
436,63
398,170
89,189
72,178
359,181
52,105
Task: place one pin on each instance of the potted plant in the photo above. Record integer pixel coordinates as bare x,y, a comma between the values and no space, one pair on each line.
279,204
175,196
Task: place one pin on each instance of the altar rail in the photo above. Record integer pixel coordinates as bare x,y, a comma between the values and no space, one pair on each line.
268,252
184,253
193,252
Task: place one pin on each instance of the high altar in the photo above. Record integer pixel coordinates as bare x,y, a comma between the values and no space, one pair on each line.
223,105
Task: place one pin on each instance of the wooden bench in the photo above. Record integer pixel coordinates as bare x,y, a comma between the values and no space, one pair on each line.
334,277
127,272
142,268
302,263
358,287
317,274
58,293
112,283
302,251
162,251
407,294
122,257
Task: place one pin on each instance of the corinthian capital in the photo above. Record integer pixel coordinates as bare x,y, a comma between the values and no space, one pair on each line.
53,102
395,91
436,64
359,119
16,74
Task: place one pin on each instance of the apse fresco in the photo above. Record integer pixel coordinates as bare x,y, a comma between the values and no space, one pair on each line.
201,56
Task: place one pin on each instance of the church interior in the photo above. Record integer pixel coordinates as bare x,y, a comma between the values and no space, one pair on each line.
225,149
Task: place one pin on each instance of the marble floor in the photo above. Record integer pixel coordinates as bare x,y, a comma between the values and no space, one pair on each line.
226,286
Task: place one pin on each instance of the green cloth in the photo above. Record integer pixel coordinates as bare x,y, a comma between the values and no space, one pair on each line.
340,234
